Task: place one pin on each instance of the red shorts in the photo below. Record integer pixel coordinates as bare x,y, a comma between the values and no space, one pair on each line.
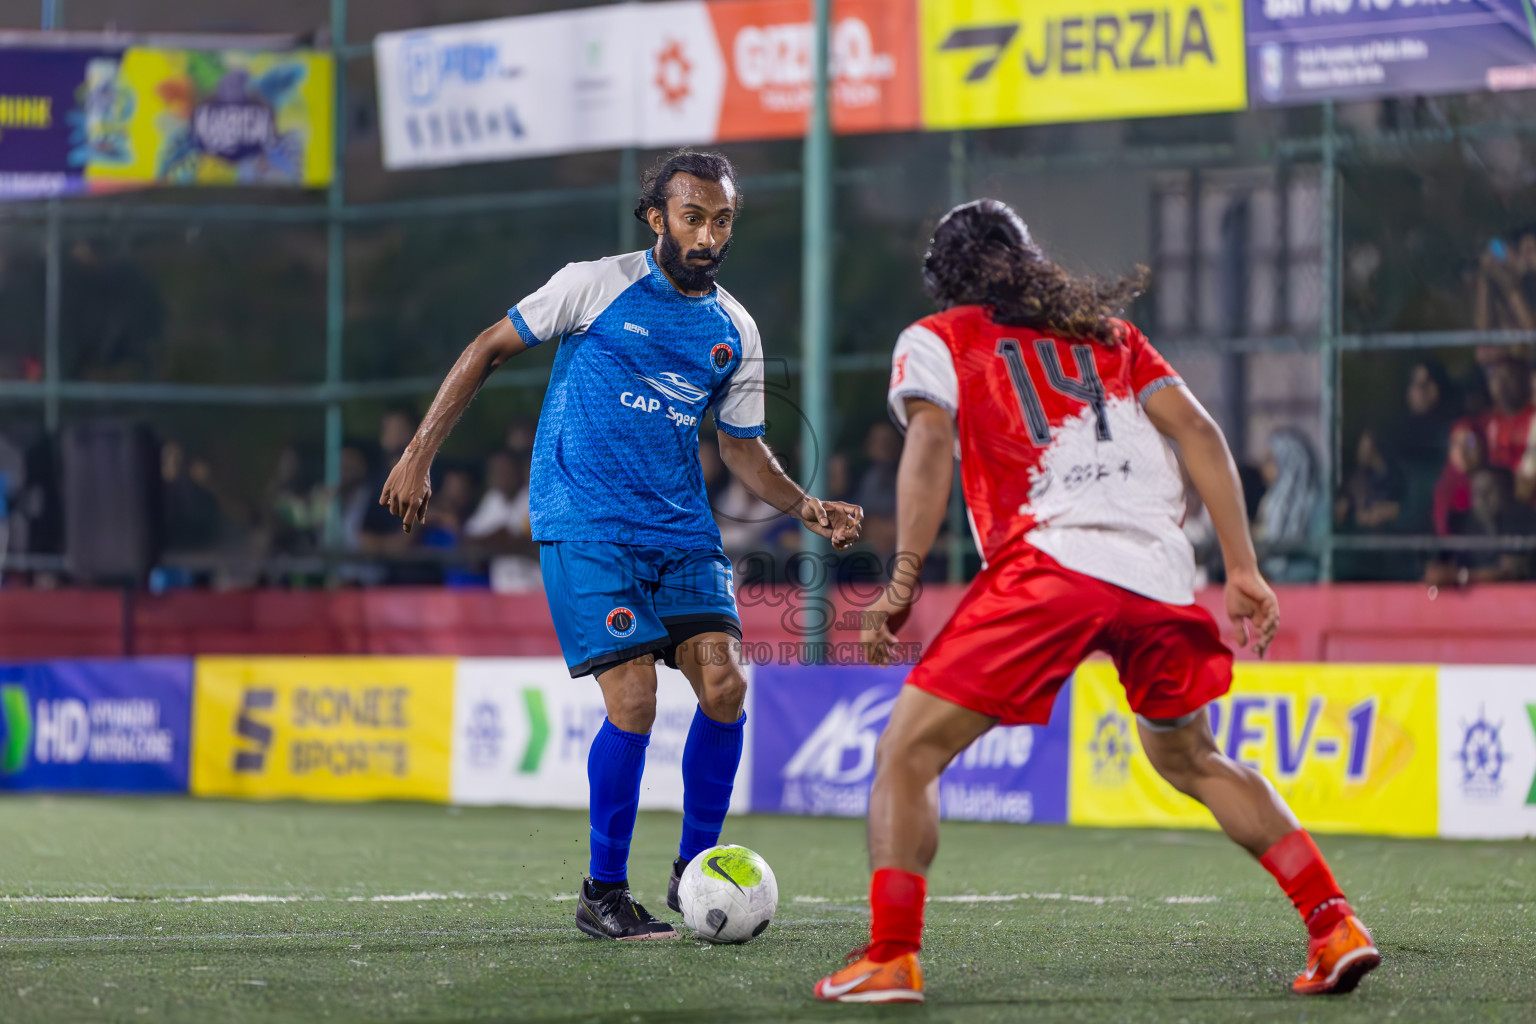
1027,622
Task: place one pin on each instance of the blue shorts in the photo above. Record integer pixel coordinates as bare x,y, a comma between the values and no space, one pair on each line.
614,602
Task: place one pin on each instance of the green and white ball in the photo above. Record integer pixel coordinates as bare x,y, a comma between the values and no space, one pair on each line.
728,894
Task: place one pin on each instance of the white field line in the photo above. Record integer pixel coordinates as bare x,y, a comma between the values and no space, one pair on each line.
245,897
435,897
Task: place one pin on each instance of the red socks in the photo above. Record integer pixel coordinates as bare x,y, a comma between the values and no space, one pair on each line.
896,901
1298,866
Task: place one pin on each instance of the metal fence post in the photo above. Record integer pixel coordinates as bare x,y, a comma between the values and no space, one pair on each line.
335,275
959,527
816,310
53,276
1328,329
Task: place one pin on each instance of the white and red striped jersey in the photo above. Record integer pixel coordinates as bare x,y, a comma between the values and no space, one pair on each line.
1055,448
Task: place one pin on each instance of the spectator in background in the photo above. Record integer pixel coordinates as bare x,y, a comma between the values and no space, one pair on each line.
353,495
1505,295
1525,475
1373,497
191,514
1423,436
713,469
1506,426
1453,491
381,533
839,477
1493,513
293,514
876,490
1375,500
500,523
1291,516
520,436
444,529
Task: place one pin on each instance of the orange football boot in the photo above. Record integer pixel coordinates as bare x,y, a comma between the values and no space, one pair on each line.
864,981
1336,964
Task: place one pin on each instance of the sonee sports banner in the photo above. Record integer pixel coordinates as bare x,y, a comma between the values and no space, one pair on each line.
323,728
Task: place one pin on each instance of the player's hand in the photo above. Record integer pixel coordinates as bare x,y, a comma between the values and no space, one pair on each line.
881,620
838,521
1253,609
408,489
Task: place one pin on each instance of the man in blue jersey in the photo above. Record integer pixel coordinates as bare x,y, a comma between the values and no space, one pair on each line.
631,557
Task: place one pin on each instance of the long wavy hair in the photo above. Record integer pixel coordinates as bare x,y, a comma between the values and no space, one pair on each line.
981,254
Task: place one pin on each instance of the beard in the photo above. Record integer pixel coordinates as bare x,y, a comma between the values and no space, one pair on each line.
685,275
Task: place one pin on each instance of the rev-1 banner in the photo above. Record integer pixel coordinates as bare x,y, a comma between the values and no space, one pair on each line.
1305,51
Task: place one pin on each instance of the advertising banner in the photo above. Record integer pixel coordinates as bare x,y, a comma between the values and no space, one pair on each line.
631,75
42,121
1306,52
815,731
213,117
522,728
1002,62
1487,752
119,726
1352,748
503,89
322,728
764,49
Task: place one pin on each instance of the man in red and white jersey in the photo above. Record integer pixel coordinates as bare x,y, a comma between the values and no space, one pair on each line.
1062,417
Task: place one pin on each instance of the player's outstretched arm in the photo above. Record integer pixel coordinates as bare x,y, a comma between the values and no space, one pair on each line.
409,486
922,502
754,463
1180,417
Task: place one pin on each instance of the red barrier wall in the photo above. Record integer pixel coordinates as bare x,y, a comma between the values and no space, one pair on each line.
1493,624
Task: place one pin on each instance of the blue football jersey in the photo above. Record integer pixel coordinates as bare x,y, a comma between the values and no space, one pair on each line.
616,457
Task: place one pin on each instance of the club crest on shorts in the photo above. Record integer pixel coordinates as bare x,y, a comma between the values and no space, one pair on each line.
720,356
621,622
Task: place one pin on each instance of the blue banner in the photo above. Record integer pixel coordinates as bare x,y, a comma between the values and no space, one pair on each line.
44,95
813,750
1306,51
119,726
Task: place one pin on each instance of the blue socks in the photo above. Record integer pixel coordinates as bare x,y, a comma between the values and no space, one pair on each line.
710,758
614,766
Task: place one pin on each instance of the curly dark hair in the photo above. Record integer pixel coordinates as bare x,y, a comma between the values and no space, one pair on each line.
981,254
654,182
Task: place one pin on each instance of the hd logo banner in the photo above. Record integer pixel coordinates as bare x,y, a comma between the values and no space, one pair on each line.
1352,748
323,728
1487,752
106,726
522,728
1002,62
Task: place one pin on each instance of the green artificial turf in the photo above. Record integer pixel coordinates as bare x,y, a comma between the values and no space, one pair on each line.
1105,925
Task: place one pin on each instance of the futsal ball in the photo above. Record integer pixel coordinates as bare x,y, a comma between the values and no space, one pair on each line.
728,894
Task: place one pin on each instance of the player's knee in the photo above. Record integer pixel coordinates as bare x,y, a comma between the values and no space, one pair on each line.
906,753
724,694
1183,765
632,708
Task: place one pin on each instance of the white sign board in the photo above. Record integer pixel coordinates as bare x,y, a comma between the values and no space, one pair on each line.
522,728
1487,752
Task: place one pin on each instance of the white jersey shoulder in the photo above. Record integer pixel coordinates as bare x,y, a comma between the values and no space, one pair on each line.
922,367
576,296
740,410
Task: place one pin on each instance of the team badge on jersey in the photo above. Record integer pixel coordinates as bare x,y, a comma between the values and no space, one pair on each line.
720,356
621,622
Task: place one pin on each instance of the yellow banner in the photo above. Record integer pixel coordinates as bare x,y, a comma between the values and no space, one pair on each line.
322,728
1351,748
211,117
1001,62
